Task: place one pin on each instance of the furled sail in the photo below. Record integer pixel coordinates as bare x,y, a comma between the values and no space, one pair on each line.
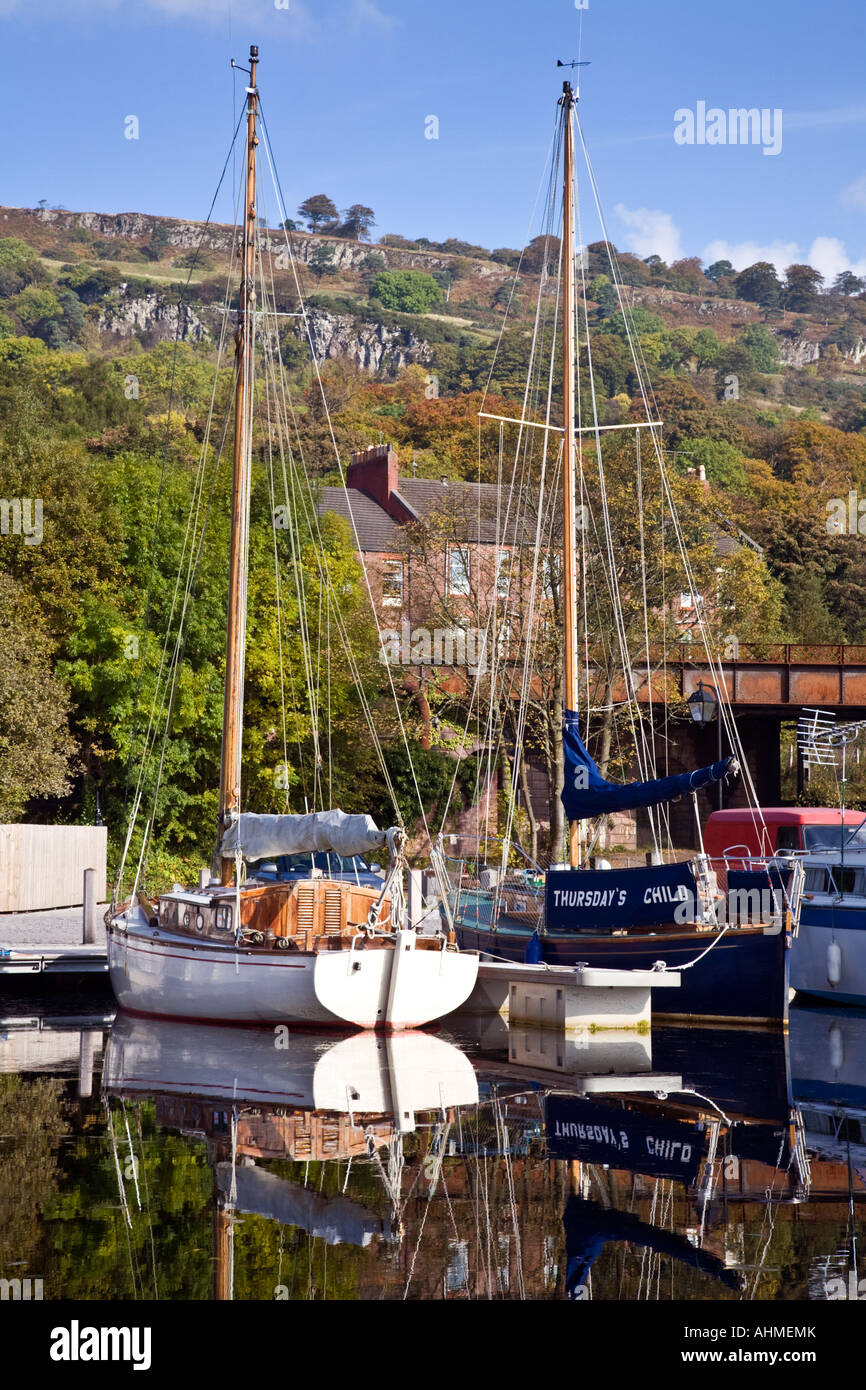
335,1220
585,792
264,837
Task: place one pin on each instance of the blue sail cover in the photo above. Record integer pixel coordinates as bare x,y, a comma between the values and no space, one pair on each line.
585,792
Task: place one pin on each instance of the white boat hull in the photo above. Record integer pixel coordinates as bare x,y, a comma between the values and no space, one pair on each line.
170,976
829,961
362,1074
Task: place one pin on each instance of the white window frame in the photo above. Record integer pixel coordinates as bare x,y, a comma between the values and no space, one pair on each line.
504,563
394,571
463,587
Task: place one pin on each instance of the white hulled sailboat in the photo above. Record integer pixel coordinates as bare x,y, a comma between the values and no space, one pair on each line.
235,949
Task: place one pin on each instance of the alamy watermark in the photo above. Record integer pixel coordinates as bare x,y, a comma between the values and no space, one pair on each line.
744,907
22,516
846,516
439,646
737,126
21,1290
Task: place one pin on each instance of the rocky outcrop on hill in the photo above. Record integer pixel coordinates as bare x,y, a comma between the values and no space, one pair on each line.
152,316
797,352
137,228
373,346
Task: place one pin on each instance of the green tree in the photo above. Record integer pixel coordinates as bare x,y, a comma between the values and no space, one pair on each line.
36,749
847,283
801,288
722,461
357,221
407,291
706,348
159,239
322,262
757,339
759,283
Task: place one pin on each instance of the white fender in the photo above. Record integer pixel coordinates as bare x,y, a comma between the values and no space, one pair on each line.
834,963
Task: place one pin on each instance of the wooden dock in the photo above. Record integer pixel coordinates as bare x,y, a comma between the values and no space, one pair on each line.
55,942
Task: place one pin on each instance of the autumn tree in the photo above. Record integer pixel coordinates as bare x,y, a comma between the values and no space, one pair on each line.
317,210
542,253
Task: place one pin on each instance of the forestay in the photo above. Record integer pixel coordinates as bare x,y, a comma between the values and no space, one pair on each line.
264,837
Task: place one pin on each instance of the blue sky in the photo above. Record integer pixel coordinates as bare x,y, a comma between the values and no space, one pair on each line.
348,84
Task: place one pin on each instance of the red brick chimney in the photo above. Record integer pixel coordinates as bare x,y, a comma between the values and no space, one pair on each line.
375,472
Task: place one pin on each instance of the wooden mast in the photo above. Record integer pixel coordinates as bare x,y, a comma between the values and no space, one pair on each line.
569,519
230,763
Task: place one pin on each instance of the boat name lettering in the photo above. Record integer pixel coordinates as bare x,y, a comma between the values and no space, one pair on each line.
589,897
663,893
600,1133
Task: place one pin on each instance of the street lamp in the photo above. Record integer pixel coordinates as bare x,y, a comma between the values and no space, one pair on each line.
704,708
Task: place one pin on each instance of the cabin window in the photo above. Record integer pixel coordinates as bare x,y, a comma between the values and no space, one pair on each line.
788,837
815,881
392,584
224,918
846,880
458,570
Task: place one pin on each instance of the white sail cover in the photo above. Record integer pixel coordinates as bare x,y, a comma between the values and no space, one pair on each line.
265,837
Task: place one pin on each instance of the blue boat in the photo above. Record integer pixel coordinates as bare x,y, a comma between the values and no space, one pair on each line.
728,931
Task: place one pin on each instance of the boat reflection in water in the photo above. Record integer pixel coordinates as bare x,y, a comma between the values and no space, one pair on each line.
500,1162
258,1094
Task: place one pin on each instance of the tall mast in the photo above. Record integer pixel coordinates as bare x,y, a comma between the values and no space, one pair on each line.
230,763
569,559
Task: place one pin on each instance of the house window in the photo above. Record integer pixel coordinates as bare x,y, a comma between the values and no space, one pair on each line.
550,575
392,584
503,573
458,570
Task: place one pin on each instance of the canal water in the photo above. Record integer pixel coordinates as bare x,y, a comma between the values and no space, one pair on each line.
153,1160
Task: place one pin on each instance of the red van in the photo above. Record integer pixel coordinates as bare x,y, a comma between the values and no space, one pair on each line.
779,828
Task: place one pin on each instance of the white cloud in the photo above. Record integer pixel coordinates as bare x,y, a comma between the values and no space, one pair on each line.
828,254
207,11
855,194
651,232
365,12
743,253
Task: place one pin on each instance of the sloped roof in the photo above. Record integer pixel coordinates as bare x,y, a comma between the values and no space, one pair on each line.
376,529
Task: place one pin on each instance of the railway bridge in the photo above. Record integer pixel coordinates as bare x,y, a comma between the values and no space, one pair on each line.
767,686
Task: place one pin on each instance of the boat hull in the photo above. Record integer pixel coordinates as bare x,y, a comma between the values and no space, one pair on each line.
743,979
828,960
169,976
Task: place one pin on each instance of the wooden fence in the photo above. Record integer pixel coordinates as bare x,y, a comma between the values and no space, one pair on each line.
42,866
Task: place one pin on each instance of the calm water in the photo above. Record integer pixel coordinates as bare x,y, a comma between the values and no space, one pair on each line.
157,1160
